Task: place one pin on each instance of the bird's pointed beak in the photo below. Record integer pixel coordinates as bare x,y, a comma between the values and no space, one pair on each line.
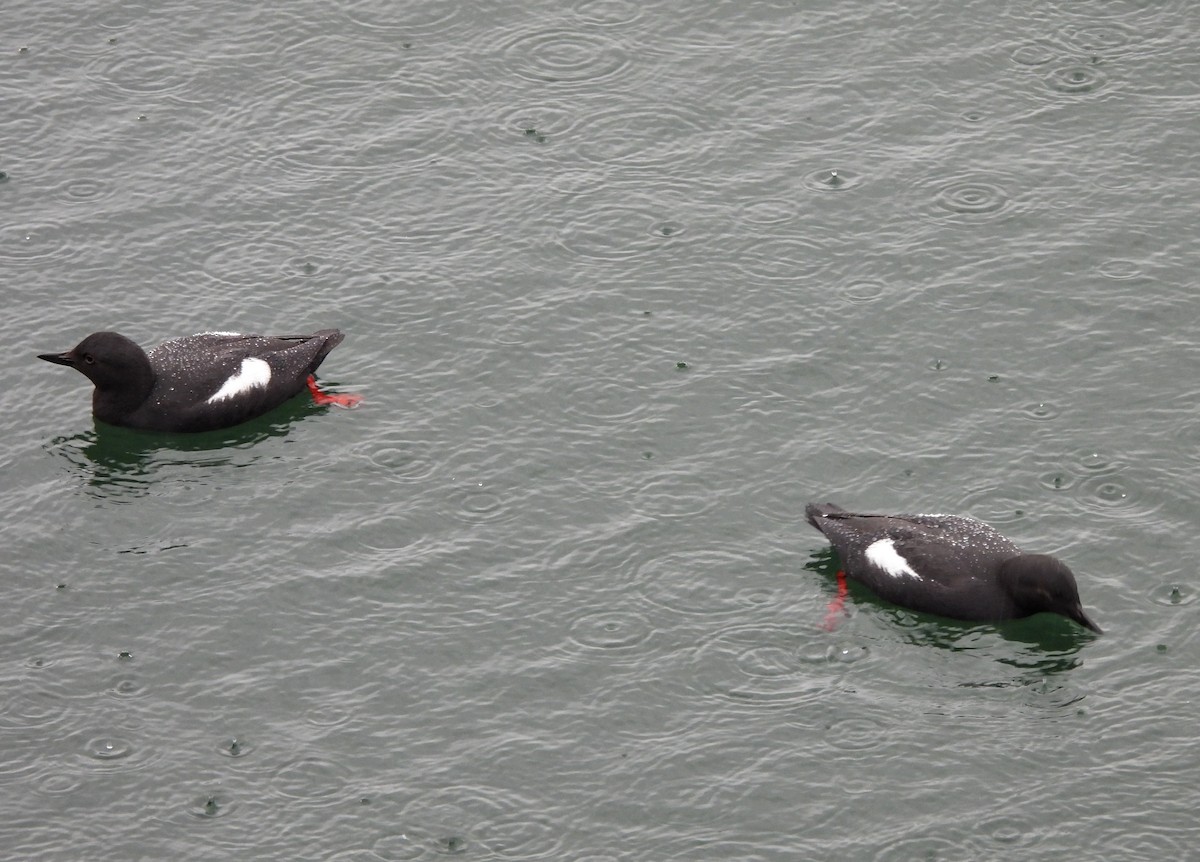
1084,620
67,358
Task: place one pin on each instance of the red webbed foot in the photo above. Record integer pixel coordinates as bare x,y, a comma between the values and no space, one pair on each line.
836,608
346,400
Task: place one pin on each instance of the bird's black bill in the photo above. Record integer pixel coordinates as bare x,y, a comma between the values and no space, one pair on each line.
58,358
1080,617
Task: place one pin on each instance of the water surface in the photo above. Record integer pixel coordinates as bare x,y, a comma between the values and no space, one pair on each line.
625,286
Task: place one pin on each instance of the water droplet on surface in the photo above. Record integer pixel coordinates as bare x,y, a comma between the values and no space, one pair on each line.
566,56
1076,80
863,291
1094,461
972,197
1111,492
1119,269
831,180
108,749
1033,55
846,655
610,629
1172,595
1007,832
57,784
1041,411
455,843
209,805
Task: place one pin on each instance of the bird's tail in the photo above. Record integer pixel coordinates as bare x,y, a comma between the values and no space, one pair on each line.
817,510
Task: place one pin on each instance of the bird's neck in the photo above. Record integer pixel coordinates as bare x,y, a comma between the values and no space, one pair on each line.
110,403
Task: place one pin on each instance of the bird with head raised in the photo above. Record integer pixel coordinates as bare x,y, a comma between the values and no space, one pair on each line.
199,382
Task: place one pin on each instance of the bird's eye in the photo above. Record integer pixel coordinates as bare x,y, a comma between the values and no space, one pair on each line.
89,359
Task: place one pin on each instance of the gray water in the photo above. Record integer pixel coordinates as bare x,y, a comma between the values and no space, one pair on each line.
625,285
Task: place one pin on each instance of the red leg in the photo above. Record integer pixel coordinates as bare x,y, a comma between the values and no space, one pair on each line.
837,606
322,398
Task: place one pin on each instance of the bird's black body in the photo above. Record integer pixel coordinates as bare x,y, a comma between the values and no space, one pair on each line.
949,565
197,383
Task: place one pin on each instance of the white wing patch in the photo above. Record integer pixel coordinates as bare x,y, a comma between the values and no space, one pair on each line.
253,373
884,555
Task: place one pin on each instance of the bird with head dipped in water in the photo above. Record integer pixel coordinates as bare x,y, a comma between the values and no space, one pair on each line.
949,565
